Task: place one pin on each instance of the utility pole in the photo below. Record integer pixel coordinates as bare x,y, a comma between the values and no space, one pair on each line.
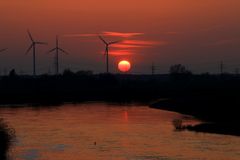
57,49
221,67
153,68
237,71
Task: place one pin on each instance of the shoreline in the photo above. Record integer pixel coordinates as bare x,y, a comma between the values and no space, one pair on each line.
211,124
7,136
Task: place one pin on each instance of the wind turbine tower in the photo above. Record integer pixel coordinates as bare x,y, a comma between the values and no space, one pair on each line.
33,47
57,49
108,44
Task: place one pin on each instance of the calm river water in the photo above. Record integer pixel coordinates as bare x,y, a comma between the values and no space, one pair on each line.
100,131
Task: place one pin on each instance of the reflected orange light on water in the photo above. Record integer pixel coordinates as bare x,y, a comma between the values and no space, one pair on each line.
120,132
125,116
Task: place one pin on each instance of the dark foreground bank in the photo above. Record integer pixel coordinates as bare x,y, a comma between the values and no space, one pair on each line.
79,87
219,113
6,140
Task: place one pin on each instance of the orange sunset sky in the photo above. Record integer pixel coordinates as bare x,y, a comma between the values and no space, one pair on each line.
196,33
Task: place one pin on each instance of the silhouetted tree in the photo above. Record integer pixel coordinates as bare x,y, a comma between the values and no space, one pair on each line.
178,124
84,73
12,73
6,138
179,69
68,72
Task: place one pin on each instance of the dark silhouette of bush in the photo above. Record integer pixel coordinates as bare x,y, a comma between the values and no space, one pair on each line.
6,138
68,73
179,69
84,73
12,73
177,123
179,72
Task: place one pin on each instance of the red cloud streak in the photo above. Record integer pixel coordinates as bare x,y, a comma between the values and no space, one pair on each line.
119,34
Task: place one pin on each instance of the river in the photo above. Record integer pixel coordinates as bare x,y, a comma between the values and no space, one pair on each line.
101,131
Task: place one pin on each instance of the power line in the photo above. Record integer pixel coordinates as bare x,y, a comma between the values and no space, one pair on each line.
153,68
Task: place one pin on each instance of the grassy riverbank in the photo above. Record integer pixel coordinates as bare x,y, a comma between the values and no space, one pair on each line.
220,114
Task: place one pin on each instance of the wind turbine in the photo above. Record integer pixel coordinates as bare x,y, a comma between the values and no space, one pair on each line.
33,47
108,44
3,49
57,49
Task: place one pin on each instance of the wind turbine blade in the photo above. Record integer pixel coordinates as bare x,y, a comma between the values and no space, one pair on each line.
43,43
3,49
30,36
114,42
57,40
63,51
29,48
51,50
103,40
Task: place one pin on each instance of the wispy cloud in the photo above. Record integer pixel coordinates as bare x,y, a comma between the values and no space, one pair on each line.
129,47
121,34
122,45
127,44
107,34
143,42
121,52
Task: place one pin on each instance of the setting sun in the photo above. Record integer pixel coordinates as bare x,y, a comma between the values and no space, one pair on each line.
124,66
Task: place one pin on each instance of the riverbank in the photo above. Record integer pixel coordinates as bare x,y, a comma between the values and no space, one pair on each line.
220,114
6,139
75,88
